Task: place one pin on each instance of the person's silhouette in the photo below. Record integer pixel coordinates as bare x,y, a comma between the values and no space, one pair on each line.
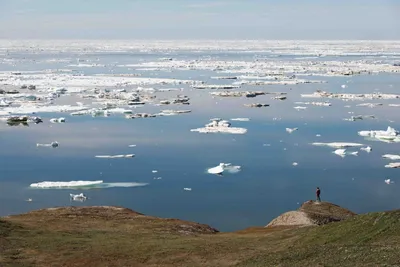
318,193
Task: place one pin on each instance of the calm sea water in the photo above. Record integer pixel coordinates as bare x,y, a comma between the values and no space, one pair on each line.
268,184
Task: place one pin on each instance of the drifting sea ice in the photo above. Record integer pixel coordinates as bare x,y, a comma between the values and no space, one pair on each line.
114,156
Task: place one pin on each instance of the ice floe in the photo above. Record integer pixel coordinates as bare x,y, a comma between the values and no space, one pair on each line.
300,108
52,144
338,144
220,126
391,156
366,149
393,165
391,134
322,104
347,96
388,132
240,119
187,189
215,86
115,156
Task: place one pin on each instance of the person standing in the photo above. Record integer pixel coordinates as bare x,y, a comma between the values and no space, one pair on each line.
318,193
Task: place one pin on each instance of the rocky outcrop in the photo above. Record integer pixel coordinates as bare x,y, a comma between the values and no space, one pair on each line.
312,213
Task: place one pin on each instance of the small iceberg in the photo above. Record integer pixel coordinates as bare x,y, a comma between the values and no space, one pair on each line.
222,167
366,149
388,181
394,165
291,130
187,189
390,133
115,156
79,198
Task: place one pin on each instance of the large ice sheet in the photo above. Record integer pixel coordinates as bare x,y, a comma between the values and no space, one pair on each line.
83,185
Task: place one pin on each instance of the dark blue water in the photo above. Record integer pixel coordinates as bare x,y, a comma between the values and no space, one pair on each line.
267,186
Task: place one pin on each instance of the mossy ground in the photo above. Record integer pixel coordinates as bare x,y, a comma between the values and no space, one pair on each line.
119,237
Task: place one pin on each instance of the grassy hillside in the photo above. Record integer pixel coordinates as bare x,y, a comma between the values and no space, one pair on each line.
106,236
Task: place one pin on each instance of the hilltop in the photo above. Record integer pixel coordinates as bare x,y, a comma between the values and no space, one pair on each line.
112,236
312,213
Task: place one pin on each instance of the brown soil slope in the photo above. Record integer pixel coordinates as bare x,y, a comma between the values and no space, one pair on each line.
111,236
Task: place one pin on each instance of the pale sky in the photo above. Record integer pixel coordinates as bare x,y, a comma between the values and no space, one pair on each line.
200,19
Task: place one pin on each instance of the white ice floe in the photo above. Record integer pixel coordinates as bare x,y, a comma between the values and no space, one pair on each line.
291,130
346,96
322,104
220,126
83,184
240,119
224,167
170,112
67,80
154,171
366,149
338,144
393,165
29,108
52,144
300,108
391,157
79,197
295,164
57,120
248,94
370,105
215,86
65,184
390,134
187,189
342,152
115,156
131,145
388,181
